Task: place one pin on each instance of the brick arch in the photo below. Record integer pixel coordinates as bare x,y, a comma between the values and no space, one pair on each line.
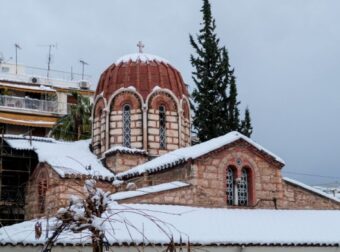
251,184
99,107
246,161
185,109
162,98
123,98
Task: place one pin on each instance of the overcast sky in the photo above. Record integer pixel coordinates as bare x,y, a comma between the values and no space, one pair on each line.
286,56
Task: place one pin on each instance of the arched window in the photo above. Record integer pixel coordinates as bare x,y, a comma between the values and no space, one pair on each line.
243,187
127,126
230,186
162,127
42,188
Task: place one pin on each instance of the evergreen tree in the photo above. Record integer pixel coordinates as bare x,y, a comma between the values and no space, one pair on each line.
76,125
215,96
246,127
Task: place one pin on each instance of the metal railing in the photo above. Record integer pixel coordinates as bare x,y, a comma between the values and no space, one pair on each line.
16,102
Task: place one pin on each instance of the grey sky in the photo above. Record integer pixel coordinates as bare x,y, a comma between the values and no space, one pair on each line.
285,53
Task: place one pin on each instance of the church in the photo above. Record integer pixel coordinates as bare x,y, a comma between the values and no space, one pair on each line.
141,151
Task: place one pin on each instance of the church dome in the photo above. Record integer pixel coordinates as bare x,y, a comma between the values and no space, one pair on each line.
143,72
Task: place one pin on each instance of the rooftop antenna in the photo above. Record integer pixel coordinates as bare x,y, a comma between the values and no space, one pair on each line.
140,46
16,57
49,59
83,66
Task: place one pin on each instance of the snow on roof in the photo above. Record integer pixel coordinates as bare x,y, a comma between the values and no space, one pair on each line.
37,87
310,188
179,156
148,190
202,226
330,190
66,158
144,57
122,149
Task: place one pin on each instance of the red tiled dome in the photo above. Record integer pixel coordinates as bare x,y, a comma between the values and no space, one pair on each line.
142,71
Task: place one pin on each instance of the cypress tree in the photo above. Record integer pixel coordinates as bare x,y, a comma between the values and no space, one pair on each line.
246,127
215,104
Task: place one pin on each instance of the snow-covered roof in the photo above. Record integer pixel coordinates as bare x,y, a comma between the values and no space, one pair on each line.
30,87
143,57
66,158
149,190
202,226
179,156
310,188
122,149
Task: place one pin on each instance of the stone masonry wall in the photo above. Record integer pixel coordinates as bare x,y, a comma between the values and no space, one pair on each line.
181,173
299,198
210,177
180,196
58,192
120,162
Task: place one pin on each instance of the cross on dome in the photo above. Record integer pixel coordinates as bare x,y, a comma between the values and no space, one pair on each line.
140,46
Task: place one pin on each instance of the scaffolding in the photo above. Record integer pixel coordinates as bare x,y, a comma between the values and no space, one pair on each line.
16,167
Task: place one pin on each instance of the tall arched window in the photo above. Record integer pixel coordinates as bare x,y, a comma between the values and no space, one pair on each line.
230,186
243,187
127,126
162,127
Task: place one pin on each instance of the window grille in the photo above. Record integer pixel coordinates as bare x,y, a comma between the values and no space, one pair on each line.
243,188
230,186
162,127
127,126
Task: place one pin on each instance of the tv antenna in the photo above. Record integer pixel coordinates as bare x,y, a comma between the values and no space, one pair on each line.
49,59
83,66
16,57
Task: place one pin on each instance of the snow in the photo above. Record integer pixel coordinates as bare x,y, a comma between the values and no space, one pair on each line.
182,155
122,149
203,226
148,190
37,87
143,57
332,191
66,158
310,188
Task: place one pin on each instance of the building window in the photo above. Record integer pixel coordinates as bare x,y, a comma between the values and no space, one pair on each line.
42,188
230,186
242,190
162,127
127,126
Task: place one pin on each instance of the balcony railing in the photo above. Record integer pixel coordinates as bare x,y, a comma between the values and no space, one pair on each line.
28,104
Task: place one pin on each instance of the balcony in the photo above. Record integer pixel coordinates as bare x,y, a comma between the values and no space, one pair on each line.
24,103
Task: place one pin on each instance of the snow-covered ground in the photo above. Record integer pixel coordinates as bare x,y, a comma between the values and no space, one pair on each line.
204,226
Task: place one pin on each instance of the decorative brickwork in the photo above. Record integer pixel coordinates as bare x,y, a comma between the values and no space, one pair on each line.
185,124
116,120
157,100
97,140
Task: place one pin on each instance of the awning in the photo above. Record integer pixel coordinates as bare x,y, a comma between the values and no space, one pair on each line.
28,88
28,120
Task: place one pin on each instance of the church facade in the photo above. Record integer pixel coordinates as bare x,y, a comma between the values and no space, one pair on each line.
141,151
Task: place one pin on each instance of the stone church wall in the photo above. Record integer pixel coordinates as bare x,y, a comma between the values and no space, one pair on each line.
299,198
180,196
57,193
265,181
120,162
